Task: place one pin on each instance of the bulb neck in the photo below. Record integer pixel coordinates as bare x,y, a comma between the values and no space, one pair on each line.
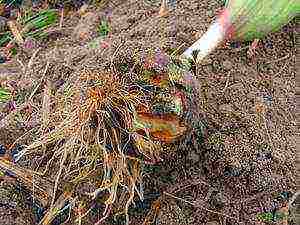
207,43
215,35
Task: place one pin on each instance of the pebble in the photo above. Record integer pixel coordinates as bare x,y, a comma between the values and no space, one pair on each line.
2,59
83,9
210,13
206,61
15,151
212,223
86,26
172,3
235,44
183,36
268,99
14,14
193,157
226,108
122,22
264,155
2,150
216,66
232,171
227,65
30,45
3,23
38,211
269,44
152,2
198,34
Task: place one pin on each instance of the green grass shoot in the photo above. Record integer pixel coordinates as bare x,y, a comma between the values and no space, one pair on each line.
5,95
103,28
35,25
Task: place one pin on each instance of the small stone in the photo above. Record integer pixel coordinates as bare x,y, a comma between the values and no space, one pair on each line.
11,106
2,150
14,14
2,59
284,194
227,65
268,99
30,44
235,44
172,32
210,13
206,61
193,157
217,199
198,34
226,108
172,3
163,12
212,223
216,65
183,36
15,151
269,44
152,2
86,26
230,171
83,9
122,22
3,23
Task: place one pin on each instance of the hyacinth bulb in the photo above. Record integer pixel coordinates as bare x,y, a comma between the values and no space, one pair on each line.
245,20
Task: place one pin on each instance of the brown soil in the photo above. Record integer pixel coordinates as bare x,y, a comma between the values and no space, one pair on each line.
248,155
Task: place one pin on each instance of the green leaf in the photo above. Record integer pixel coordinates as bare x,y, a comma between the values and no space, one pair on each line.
13,51
104,28
5,38
5,95
256,18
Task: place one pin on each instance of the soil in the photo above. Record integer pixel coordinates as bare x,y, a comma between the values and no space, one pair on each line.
247,158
